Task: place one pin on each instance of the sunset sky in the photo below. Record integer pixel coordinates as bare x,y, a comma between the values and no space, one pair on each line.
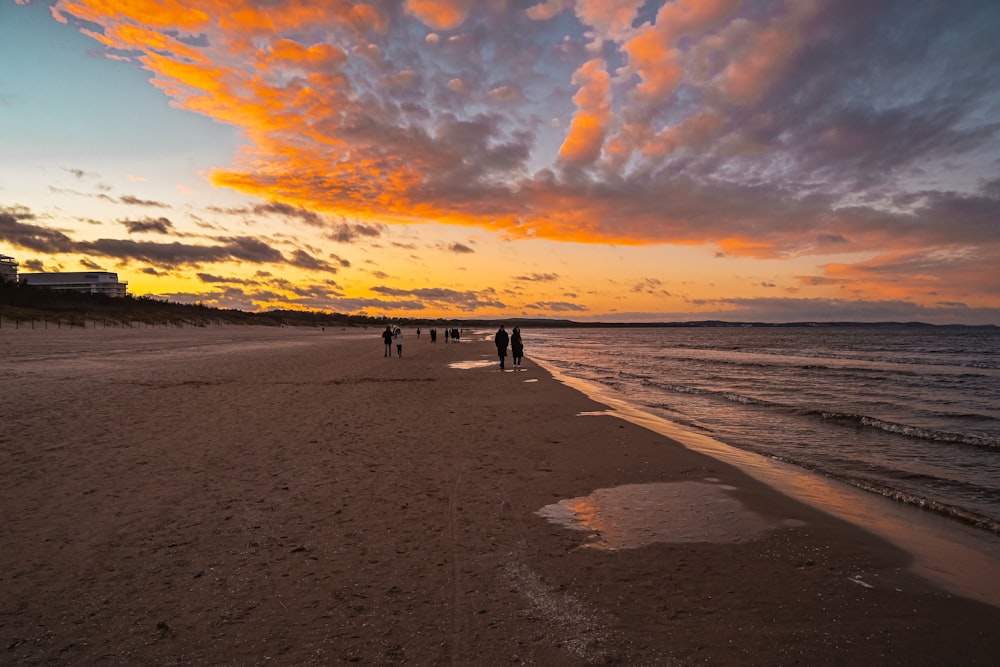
612,160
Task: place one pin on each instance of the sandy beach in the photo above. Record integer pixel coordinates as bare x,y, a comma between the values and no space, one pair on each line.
255,496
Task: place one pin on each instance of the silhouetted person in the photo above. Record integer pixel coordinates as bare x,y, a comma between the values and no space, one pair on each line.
387,338
516,347
501,339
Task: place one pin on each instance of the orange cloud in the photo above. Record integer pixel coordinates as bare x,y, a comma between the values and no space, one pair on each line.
691,17
693,131
744,246
656,63
653,54
654,58
548,9
320,56
157,14
971,275
340,126
611,18
439,14
757,57
590,124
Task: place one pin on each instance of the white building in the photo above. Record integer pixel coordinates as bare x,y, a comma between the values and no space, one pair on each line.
91,282
8,269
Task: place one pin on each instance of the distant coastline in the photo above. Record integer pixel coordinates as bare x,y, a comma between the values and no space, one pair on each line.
27,304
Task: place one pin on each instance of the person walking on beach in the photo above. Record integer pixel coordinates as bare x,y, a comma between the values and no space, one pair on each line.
501,339
387,339
516,347
398,337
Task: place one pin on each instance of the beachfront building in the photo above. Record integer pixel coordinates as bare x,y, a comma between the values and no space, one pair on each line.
8,269
91,282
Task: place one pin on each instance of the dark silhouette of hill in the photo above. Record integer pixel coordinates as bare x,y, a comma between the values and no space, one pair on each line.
27,303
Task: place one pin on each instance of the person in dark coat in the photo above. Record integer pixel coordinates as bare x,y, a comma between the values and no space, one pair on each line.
387,339
501,339
516,347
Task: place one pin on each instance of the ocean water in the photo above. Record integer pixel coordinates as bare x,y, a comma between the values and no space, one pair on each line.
908,412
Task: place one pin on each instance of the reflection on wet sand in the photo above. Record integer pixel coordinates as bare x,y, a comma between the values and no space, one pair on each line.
960,558
468,365
634,515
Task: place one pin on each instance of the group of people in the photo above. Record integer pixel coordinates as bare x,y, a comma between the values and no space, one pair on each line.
452,333
395,337
390,336
502,339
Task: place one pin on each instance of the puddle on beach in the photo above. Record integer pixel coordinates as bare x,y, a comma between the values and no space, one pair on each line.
467,365
634,515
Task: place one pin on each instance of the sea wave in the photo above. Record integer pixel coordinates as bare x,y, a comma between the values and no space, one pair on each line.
867,421
911,431
949,510
916,420
845,363
962,514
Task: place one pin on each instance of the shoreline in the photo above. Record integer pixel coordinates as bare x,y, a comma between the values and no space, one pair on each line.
962,558
292,497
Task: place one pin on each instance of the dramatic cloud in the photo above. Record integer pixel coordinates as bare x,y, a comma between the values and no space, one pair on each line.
557,307
651,286
348,233
438,297
15,231
857,140
159,226
135,201
304,260
687,121
538,277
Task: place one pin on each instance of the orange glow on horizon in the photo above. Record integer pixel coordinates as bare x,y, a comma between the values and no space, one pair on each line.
577,159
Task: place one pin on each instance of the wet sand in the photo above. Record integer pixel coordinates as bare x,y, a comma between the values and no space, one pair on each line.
247,496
